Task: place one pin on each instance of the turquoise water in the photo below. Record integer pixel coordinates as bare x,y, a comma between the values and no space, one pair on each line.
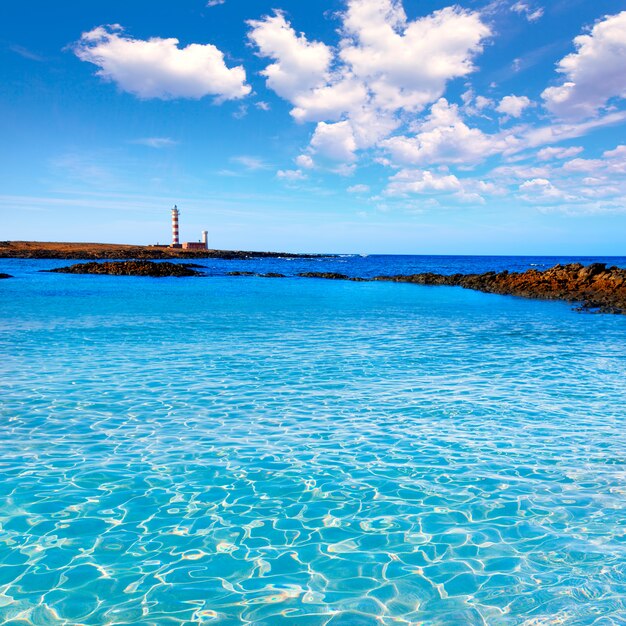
255,451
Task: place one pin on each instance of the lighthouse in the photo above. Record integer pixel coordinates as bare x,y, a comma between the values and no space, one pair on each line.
188,245
175,241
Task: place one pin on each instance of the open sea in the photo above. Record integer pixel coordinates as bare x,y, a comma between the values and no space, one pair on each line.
242,450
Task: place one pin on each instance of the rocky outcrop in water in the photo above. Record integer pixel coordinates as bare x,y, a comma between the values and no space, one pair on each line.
131,268
5,276
594,286
328,275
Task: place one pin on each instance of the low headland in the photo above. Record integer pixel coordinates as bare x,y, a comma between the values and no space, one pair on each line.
594,287
112,251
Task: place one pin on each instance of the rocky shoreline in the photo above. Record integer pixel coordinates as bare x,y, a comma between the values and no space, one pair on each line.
102,251
593,288
131,268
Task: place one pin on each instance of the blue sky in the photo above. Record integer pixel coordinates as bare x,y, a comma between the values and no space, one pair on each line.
366,126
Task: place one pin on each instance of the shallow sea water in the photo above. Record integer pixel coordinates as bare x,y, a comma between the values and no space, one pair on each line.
263,451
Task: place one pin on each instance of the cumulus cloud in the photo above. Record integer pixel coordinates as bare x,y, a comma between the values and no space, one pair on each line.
355,92
513,106
475,105
304,161
381,88
508,173
583,165
382,48
550,153
334,141
158,68
358,189
291,175
616,153
465,190
421,181
300,64
613,162
542,189
444,138
594,74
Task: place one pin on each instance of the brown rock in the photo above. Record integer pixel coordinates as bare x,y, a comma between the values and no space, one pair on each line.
130,268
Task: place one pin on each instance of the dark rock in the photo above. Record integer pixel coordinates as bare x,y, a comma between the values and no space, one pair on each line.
595,288
241,274
6,276
130,268
272,275
328,275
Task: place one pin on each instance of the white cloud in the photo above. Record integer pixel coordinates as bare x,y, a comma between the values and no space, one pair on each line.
532,15
291,175
510,174
334,141
469,197
358,189
344,169
613,162
513,105
593,181
547,154
215,3
357,92
26,53
299,65
616,153
263,106
534,137
156,142
240,112
465,190
421,181
594,74
583,165
329,102
542,189
158,68
305,161
382,48
250,162
444,138
475,105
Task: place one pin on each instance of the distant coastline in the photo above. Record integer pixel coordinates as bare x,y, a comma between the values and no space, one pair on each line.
110,251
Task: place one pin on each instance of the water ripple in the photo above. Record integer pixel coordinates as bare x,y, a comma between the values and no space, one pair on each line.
310,454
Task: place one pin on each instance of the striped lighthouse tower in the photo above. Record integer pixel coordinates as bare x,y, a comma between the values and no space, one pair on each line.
175,241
